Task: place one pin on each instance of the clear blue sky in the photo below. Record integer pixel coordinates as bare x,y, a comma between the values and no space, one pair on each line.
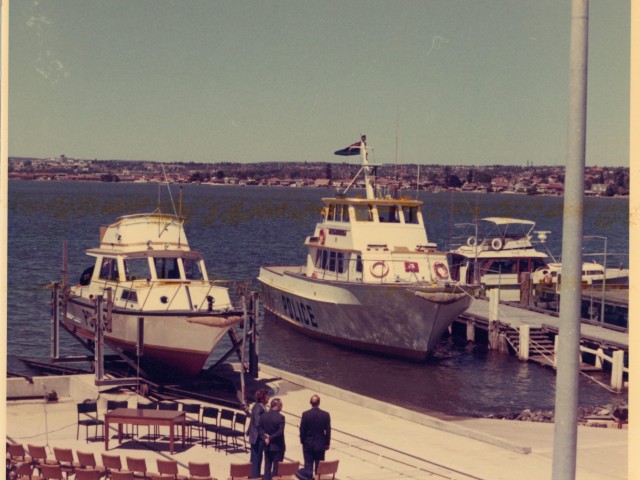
462,82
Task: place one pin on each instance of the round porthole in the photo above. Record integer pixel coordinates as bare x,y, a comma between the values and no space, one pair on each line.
164,299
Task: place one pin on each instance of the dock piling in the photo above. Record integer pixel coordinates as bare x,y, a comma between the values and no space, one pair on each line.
523,348
617,370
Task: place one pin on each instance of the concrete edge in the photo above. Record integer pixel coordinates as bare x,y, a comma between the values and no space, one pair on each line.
393,410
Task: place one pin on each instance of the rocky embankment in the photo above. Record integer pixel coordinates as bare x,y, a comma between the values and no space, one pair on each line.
596,416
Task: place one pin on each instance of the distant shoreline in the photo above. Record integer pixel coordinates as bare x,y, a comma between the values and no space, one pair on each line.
437,190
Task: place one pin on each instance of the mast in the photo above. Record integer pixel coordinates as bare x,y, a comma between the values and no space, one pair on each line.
365,167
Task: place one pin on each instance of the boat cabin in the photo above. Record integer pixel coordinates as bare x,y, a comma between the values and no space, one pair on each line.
370,240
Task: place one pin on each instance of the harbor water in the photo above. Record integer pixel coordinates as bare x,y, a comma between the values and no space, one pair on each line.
241,228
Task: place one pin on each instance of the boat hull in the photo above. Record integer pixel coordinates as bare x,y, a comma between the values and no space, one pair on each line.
181,341
389,319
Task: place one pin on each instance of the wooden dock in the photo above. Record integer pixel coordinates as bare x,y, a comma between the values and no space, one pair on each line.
532,335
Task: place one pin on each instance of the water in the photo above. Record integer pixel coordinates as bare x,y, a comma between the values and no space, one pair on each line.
241,228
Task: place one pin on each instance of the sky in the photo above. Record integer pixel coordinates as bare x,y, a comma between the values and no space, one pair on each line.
450,82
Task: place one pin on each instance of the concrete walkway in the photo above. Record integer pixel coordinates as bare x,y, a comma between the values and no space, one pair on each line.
373,440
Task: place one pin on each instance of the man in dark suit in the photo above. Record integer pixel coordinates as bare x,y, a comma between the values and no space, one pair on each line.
271,429
315,435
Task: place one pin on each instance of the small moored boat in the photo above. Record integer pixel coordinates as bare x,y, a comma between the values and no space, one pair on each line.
501,254
372,280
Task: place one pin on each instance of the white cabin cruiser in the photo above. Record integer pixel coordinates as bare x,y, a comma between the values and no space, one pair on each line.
501,254
146,262
372,280
498,255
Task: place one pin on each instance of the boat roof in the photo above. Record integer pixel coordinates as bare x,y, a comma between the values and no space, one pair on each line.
193,254
507,221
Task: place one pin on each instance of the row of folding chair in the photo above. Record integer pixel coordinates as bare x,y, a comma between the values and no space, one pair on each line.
34,462
224,424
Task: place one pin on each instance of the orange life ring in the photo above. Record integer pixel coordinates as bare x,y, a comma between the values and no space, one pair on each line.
323,236
441,270
383,273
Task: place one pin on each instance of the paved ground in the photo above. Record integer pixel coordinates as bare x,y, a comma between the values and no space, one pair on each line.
373,440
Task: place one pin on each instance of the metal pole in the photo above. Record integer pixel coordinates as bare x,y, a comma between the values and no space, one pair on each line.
566,425
604,281
99,341
55,315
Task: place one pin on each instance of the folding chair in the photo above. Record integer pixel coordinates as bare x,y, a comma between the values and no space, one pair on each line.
17,454
24,471
138,466
64,457
51,472
87,474
199,469
124,475
87,461
226,417
210,422
240,471
148,406
88,416
169,406
38,456
113,404
326,470
111,463
192,420
287,470
169,467
238,430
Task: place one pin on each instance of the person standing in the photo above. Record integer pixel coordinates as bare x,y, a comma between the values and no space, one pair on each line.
315,435
257,444
271,429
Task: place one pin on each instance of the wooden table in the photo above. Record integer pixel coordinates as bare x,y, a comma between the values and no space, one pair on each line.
134,416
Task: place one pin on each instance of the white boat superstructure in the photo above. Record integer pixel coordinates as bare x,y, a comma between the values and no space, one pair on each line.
593,274
372,279
145,264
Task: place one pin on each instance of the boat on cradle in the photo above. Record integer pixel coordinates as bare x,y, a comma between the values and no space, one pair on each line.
500,254
144,263
372,280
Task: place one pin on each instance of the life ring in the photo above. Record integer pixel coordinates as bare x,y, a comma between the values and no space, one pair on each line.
323,236
496,243
383,272
471,241
441,270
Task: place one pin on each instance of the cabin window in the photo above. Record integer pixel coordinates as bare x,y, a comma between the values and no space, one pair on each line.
388,214
363,213
331,212
137,268
498,266
331,261
109,269
167,268
129,295
410,214
345,213
192,269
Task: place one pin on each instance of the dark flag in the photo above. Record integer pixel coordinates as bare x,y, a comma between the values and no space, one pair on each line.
353,149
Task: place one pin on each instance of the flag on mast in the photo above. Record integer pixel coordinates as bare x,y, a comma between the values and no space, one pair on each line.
353,149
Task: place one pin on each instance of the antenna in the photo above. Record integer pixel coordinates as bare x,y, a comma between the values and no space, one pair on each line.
166,181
